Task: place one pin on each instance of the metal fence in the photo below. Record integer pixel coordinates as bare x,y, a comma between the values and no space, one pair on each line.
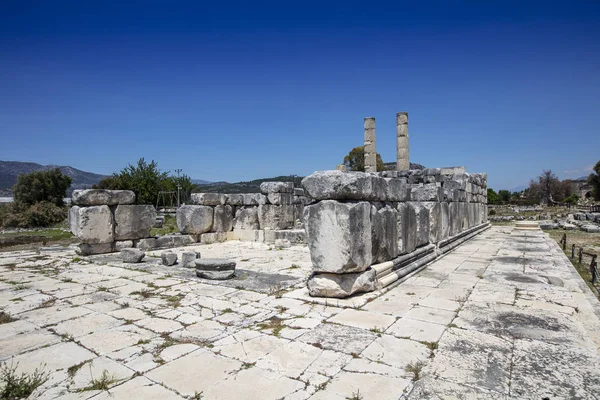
580,254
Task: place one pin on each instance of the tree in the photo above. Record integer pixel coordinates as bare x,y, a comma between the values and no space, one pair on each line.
504,196
594,180
41,186
355,160
492,196
185,186
144,179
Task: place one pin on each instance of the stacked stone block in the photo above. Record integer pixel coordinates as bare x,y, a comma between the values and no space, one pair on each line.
359,220
266,216
107,220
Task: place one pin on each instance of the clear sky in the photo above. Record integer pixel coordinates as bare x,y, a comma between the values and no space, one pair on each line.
237,91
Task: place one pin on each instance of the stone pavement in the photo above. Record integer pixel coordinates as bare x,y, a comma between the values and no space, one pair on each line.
502,316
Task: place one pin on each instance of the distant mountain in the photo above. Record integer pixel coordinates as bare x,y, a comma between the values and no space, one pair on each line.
10,170
245,187
203,182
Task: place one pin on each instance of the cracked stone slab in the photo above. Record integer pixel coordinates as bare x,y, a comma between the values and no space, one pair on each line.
363,319
390,350
345,385
139,388
421,331
340,338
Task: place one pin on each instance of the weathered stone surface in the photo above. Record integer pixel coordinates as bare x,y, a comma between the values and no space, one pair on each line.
254,199
209,199
247,235
406,222
282,243
168,241
132,255
235,199
276,217
277,187
213,237
87,249
434,210
445,221
339,236
341,285
168,258
280,198
246,218
297,236
384,233
223,219
337,185
133,221
426,193
93,224
146,244
188,259
589,228
194,220
397,190
100,197
123,244
299,192
215,268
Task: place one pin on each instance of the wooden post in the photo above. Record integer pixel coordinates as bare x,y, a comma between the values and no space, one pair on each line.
580,254
564,241
573,250
593,269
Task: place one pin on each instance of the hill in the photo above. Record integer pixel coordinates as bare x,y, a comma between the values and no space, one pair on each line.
10,170
245,187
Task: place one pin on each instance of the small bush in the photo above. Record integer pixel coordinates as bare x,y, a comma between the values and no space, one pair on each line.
13,386
492,212
40,214
41,186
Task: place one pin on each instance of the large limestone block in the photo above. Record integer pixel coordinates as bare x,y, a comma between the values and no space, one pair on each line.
435,220
133,221
87,249
235,199
397,190
406,221
215,268
275,217
342,285
337,185
246,218
339,236
209,199
93,224
455,218
277,187
169,241
444,221
101,197
421,226
194,220
280,198
254,199
223,219
427,193
384,233
132,255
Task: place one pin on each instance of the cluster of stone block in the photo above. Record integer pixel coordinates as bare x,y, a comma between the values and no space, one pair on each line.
362,219
216,217
108,220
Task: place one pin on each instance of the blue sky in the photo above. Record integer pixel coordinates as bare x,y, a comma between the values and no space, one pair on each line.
238,91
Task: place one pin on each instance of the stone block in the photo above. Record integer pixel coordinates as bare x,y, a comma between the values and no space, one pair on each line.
421,226
146,244
123,244
384,233
93,224
168,258
452,170
295,236
339,236
341,285
169,241
337,185
209,199
397,190
426,193
235,199
434,209
87,249
247,235
299,192
215,268
406,221
277,187
246,218
223,219
133,221
445,221
194,219
276,217
213,237
102,197
254,199
282,244
280,198
188,259
132,255
455,218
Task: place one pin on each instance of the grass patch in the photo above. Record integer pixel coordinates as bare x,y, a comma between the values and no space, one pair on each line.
5,318
72,370
431,346
145,293
103,383
415,369
355,396
16,386
169,227
273,323
175,300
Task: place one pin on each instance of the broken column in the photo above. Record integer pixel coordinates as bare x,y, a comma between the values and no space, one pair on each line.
402,162
370,151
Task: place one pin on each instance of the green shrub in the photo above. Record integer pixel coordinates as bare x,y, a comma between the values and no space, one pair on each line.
49,186
492,212
40,214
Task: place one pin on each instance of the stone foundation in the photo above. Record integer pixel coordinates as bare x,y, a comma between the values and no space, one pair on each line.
367,230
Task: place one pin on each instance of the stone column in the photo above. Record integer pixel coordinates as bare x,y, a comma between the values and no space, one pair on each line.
402,162
370,151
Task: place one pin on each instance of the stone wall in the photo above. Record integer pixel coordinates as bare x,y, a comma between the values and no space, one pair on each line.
107,220
275,213
366,230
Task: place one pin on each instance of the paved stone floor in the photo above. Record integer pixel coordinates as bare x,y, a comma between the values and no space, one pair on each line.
503,316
